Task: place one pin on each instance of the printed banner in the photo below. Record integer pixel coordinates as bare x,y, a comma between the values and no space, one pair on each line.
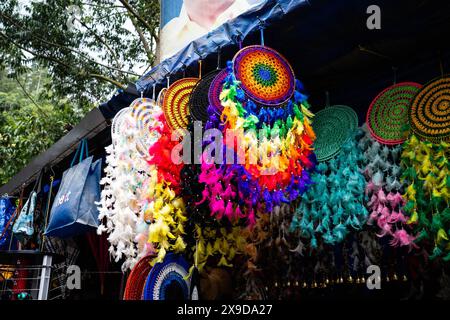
183,21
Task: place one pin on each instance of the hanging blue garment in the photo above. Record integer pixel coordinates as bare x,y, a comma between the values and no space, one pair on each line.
6,211
24,223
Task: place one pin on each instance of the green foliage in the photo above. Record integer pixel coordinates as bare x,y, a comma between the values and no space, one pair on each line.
28,128
52,71
107,45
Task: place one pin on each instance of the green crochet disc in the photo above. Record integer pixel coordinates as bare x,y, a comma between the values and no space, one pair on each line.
333,126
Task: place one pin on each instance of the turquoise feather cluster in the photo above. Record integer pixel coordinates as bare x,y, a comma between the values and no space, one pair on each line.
335,202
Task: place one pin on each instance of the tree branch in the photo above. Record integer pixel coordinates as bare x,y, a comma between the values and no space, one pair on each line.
70,49
31,98
107,79
140,19
138,29
96,36
69,67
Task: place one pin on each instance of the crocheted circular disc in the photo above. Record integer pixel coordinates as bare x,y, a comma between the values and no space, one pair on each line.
430,111
166,279
136,280
333,126
160,99
389,113
215,89
120,124
265,75
199,101
143,111
176,100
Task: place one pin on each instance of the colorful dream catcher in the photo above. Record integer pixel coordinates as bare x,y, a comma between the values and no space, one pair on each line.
265,75
426,171
389,111
137,279
335,202
214,91
125,174
199,99
168,280
430,111
384,190
333,126
176,103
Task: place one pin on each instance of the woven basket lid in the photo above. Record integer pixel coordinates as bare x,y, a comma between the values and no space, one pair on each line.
389,113
166,280
199,102
175,103
430,111
215,89
265,75
333,126
137,278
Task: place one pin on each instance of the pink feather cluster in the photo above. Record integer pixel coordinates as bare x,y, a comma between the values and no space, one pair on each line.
383,188
222,194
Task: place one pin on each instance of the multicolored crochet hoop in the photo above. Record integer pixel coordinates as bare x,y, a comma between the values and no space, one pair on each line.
199,102
166,281
333,126
389,113
137,278
214,91
265,75
160,99
143,110
430,111
176,100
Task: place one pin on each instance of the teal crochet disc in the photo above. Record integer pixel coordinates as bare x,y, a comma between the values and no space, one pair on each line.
333,126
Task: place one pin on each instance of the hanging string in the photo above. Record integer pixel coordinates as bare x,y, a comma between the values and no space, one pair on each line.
142,94
395,74
154,91
441,64
218,58
261,30
46,212
200,68
168,81
196,254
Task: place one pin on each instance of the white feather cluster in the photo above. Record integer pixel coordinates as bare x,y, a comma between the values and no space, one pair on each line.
120,206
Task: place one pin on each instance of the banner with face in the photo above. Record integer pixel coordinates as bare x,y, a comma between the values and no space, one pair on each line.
183,21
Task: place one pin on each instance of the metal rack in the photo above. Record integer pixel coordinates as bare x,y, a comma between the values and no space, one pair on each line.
26,274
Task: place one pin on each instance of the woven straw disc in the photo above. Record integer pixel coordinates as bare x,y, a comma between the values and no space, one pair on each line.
333,126
199,102
136,280
430,111
176,100
265,75
167,276
389,113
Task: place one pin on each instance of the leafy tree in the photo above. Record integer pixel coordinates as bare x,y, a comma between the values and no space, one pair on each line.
31,119
89,47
